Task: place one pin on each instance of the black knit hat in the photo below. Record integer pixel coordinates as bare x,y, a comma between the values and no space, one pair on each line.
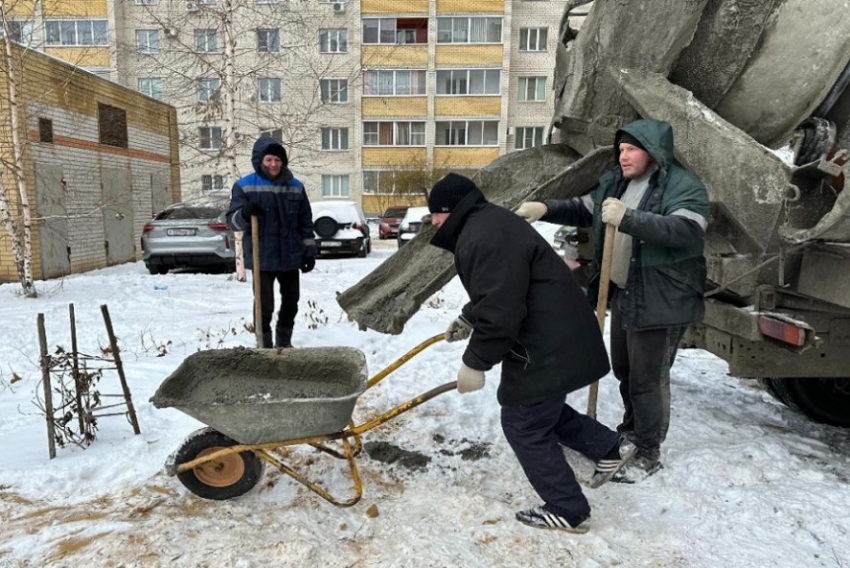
277,150
629,139
448,192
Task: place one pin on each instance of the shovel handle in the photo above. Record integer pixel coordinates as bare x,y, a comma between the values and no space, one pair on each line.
601,305
255,274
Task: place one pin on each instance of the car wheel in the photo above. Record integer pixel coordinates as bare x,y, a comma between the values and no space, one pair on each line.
369,246
325,227
362,252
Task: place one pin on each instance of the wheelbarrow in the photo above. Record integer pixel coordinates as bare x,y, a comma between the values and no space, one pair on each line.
258,401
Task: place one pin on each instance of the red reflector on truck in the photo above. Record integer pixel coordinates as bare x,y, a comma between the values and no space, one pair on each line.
783,331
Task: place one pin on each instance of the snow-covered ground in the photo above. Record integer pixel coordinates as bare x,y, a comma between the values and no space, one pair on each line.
746,482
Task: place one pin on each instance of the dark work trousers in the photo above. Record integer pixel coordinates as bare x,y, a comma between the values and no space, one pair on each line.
641,361
290,291
535,433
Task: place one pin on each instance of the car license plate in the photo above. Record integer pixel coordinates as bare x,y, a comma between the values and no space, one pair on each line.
330,244
180,232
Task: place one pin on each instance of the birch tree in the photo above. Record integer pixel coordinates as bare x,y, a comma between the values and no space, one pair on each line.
14,205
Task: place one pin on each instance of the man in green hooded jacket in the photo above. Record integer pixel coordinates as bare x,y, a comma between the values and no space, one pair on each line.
658,272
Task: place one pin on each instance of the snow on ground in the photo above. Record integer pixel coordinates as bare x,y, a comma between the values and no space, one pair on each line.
746,482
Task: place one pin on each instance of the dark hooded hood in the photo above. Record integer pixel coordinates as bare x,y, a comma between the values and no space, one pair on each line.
268,145
656,136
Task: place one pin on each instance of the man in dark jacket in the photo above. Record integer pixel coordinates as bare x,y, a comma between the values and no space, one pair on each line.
657,273
279,203
527,313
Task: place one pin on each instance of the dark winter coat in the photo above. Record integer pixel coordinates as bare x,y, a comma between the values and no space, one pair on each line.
667,270
527,311
286,224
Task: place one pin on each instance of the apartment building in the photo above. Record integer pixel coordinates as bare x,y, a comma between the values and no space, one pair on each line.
360,92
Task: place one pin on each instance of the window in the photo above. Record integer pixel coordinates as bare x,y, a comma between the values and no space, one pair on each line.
393,133
334,90
208,89
268,41
395,30
335,186
392,83
333,41
212,182
76,32
469,30
147,41
151,86
206,41
469,81
532,89
276,133
334,139
378,181
528,137
269,90
533,39
468,133
209,137
45,130
112,125
19,31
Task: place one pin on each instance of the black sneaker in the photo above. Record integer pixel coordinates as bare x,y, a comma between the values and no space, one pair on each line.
612,464
543,518
637,470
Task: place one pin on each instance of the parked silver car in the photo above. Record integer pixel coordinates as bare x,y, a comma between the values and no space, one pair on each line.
193,234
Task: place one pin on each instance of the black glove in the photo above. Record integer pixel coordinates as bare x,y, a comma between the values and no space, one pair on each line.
249,209
308,263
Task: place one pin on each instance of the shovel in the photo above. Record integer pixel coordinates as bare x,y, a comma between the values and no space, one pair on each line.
258,308
601,305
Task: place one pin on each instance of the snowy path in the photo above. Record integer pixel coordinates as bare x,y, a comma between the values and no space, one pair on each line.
747,482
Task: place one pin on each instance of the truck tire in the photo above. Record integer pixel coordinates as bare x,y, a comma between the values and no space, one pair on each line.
231,476
825,400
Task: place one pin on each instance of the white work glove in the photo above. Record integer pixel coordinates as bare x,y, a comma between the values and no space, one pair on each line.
458,330
613,211
532,211
469,380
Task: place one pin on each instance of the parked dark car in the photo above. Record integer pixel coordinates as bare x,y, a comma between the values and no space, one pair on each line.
410,225
341,228
192,234
389,222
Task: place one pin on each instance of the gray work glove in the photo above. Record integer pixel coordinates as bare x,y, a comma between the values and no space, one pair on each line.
469,379
532,211
613,211
458,330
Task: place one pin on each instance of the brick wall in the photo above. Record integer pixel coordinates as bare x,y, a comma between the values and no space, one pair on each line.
69,98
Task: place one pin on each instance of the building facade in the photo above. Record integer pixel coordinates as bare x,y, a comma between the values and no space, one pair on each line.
369,96
98,160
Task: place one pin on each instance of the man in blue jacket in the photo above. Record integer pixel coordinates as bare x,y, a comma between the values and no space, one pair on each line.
658,272
279,203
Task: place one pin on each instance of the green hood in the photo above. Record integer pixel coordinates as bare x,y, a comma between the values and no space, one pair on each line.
655,135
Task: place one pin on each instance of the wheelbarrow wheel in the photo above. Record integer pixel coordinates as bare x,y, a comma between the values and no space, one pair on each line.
225,478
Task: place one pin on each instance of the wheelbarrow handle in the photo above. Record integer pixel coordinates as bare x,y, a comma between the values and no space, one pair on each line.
404,407
404,359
